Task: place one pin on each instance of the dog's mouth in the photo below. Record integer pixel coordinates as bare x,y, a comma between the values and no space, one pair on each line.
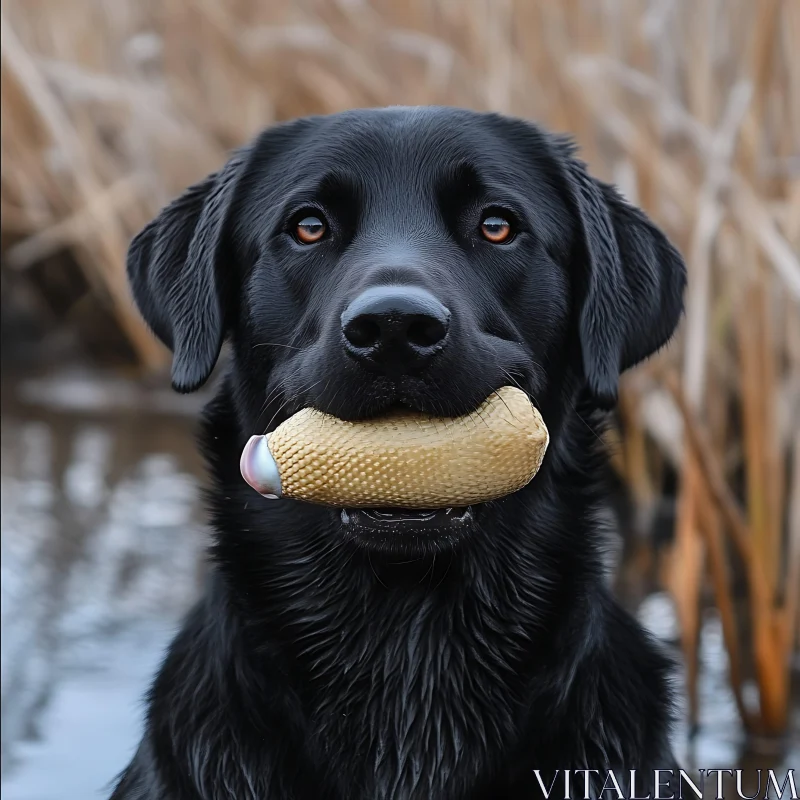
407,520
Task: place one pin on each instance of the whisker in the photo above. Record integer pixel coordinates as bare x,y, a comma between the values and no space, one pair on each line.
285,403
369,558
446,572
511,378
433,569
273,394
428,571
335,395
585,422
495,392
276,344
524,391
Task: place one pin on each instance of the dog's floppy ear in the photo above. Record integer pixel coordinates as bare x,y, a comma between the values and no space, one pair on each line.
633,281
181,275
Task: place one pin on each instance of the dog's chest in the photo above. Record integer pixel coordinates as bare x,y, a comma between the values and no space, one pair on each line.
423,709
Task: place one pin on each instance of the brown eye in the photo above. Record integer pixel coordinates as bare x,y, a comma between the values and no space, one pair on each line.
310,230
496,230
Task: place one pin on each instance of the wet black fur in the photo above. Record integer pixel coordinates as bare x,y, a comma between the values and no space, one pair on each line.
318,667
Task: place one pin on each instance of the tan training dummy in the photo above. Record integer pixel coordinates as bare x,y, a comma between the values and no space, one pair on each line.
404,459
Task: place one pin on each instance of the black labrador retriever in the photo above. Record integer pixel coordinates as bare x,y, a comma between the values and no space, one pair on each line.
417,257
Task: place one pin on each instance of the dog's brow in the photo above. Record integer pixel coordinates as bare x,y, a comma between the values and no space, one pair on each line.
336,180
462,171
330,186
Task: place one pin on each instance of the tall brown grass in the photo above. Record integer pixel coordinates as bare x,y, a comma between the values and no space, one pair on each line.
110,107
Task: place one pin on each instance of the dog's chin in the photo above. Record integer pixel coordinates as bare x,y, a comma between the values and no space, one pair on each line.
409,532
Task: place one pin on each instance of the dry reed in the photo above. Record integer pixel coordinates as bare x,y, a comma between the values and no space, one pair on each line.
110,107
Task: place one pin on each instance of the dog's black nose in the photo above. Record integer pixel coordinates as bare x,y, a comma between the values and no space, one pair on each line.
395,329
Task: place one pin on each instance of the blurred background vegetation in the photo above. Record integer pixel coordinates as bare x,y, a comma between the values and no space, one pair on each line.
112,107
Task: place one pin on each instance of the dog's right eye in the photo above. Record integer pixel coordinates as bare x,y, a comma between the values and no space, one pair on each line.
310,229
496,229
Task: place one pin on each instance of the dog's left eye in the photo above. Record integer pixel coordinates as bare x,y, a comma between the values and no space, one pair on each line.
310,229
496,229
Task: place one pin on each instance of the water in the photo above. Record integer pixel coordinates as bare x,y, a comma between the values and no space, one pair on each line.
102,551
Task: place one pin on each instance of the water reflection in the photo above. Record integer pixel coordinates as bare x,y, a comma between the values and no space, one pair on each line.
102,552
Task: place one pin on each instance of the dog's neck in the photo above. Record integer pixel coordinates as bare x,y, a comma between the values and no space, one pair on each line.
395,674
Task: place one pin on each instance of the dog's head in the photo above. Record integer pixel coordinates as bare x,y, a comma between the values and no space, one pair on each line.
421,257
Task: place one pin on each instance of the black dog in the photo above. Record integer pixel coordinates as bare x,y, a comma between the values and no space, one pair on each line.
421,257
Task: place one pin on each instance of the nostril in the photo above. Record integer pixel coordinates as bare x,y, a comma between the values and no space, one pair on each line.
395,328
362,332
426,332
